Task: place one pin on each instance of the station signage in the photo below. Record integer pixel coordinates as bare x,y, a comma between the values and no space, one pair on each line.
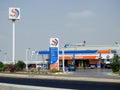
54,53
14,13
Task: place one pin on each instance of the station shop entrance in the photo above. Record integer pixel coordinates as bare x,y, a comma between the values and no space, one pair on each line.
80,63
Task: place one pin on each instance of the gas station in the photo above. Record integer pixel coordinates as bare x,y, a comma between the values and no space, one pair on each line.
81,55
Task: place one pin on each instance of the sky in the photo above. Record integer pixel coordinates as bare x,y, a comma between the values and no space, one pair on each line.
72,21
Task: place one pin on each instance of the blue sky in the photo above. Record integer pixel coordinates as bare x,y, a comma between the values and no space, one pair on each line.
72,21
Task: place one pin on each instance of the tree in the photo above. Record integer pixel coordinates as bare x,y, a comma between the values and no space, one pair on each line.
20,65
115,65
1,64
116,58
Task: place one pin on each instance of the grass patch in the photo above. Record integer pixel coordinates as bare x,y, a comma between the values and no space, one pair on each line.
117,73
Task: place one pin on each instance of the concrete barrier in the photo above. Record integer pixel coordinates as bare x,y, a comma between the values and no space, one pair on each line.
4,86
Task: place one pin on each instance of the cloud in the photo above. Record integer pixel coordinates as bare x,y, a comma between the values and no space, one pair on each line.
82,14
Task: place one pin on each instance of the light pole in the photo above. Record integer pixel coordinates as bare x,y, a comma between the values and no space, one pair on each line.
27,58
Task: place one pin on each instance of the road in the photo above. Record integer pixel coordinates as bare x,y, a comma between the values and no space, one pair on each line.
82,79
66,84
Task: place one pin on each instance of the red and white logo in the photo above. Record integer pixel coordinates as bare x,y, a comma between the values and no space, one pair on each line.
54,42
14,13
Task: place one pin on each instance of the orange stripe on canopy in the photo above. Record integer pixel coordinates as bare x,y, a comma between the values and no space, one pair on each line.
65,57
104,51
85,57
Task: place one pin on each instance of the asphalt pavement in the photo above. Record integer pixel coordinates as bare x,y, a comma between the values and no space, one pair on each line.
61,83
99,75
81,79
94,73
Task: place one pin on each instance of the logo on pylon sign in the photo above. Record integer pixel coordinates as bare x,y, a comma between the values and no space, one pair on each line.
14,13
54,42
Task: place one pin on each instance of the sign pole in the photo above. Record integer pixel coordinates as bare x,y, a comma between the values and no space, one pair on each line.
13,44
27,52
14,14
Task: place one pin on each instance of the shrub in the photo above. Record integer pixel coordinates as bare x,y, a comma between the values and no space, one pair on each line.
11,68
5,67
31,71
54,70
115,66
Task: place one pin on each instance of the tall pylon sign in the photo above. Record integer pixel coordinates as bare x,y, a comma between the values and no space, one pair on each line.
14,14
54,53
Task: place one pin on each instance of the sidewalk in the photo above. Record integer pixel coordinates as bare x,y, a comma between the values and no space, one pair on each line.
58,77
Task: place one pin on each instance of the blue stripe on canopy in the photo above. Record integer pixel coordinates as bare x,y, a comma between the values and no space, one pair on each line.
71,51
44,52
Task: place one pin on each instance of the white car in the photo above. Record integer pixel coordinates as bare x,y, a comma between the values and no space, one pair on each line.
92,66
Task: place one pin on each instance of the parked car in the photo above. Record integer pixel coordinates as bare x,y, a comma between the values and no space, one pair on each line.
92,66
41,66
107,66
71,67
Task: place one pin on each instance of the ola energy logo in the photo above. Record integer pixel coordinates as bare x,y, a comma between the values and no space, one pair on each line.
54,42
14,13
